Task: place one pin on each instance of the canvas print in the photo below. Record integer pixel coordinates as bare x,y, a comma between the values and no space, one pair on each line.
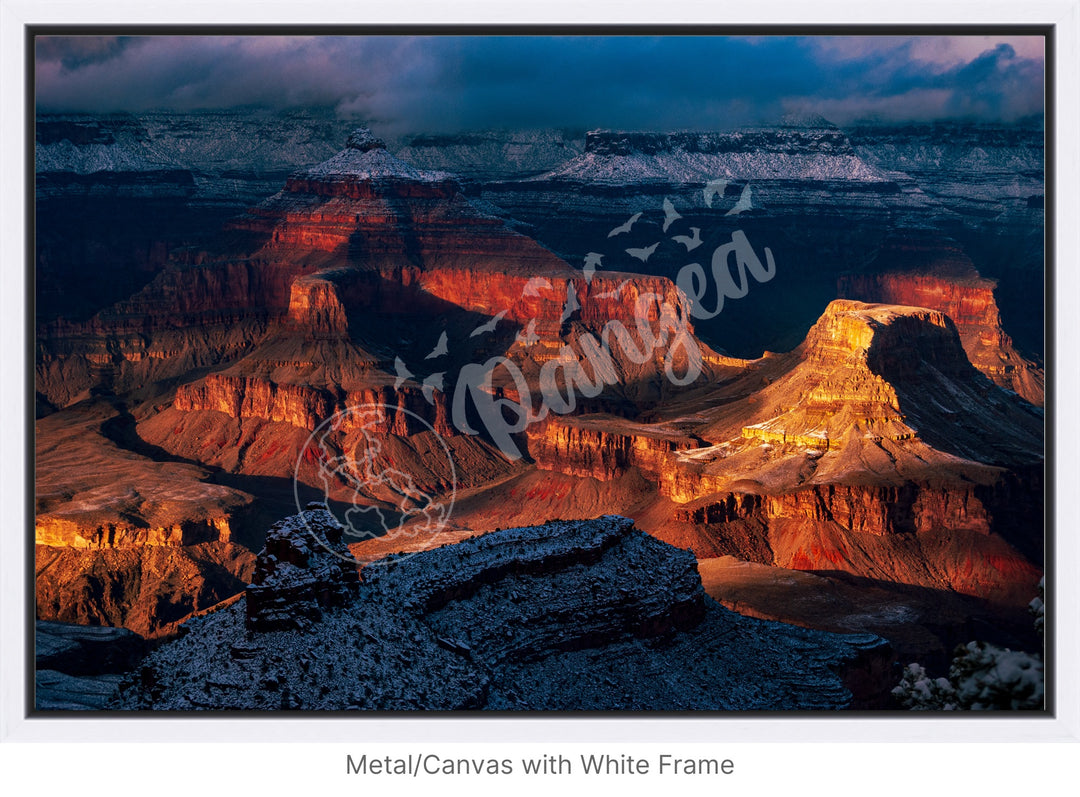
520,373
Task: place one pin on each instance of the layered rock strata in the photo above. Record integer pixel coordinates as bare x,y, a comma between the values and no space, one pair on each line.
863,451
969,301
78,668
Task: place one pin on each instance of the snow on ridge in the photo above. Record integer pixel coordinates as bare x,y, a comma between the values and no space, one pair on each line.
915,155
222,143
364,140
374,163
683,167
490,154
64,156
210,143
758,154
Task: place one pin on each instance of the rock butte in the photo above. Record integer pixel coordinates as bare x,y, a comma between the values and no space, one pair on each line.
937,275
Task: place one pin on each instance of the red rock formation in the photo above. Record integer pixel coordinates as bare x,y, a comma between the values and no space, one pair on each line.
59,532
360,234
248,397
186,319
876,394
315,308
875,380
395,247
880,532
148,589
938,276
865,451
122,539
601,449
93,493
273,326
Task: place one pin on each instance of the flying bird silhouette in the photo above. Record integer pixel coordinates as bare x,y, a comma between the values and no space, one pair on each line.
529,336
592,262
535,285
643,254
743,203
489,326
670,214
572,304
690,242
431,384
712,188
624,227
440,348
403,373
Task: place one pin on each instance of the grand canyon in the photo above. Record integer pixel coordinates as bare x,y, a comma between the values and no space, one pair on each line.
531,419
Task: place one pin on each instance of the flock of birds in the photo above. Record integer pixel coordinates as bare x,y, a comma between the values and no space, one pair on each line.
593,261
671,215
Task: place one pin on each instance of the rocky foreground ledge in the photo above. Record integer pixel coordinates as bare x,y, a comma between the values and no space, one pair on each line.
570,615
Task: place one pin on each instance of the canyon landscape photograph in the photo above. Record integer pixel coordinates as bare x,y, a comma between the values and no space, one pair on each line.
413,372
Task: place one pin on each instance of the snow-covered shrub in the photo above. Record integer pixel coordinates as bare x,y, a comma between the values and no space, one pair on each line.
1036,607
919,692
981,677
989,677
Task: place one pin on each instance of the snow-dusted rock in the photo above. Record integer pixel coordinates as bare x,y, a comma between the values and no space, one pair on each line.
490,154
619,158
365,157
303,568
569,615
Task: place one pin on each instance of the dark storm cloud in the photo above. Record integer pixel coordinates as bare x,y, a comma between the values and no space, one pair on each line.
448,83
192,72
927,78
72,52
997,82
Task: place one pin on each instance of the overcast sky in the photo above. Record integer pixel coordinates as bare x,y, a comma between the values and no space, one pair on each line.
418,84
